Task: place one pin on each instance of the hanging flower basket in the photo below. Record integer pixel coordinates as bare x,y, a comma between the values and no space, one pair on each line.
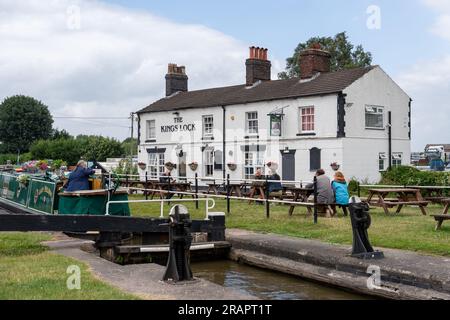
193,166
335,166
142,165
232,166
272,166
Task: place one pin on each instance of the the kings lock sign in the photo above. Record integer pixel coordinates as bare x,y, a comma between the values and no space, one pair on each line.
179,126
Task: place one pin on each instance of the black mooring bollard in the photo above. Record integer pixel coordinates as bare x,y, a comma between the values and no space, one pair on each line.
360,217
180,238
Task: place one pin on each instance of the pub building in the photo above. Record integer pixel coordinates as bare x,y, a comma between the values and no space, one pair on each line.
357,119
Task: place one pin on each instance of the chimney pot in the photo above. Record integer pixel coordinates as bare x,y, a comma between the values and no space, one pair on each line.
176,79
258,67
314,60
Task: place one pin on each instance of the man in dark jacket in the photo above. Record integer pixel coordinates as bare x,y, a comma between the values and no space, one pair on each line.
79,179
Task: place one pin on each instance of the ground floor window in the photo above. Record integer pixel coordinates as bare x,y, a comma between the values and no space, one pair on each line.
209,162
397,159
156,164
253,161
382,157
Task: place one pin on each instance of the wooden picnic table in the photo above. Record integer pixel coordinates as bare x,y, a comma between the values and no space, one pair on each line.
403,197
433,194
213,187
440,218
236,188
300,195
257,187
173,186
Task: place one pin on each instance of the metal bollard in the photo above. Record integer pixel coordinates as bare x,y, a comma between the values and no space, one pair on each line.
180,238
360,218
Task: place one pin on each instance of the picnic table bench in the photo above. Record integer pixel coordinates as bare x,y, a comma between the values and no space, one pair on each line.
299,195
404,197
440,218
434,194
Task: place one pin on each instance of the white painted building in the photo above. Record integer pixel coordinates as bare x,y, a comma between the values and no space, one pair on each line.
303,124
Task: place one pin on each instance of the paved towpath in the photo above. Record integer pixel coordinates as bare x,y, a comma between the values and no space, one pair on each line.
144,280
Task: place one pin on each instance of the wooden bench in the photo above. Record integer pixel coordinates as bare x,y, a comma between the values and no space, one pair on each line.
308,205
440,218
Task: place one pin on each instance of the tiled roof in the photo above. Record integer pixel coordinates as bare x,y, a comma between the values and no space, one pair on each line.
325,83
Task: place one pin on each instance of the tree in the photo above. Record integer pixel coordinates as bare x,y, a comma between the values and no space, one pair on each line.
60,134
100,148
71,150
130,146
344,55
23,120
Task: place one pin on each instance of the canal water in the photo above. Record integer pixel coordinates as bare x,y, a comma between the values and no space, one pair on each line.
267,285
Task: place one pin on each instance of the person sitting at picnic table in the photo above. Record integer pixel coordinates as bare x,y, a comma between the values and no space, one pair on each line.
258,174
166,178
79,178
272,185
325,194
340,189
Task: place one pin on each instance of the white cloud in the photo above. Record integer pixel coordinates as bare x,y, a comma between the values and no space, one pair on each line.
428,83
112,65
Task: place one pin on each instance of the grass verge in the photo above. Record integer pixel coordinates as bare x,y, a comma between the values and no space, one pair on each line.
28,271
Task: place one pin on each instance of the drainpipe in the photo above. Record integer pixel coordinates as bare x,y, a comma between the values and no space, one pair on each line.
223,143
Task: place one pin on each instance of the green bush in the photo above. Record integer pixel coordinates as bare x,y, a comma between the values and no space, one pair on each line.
410,176
71,150
13,158
126,167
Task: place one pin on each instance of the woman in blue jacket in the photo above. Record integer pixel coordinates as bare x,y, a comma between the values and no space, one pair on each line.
79,179
340,189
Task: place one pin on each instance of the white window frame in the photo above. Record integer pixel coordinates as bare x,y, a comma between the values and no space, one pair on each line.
253,160
382,157
151,135
374,110
156,164
251,123
208,162
300,119
208,126
397,159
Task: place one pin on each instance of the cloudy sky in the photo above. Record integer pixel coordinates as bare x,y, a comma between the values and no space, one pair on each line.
105,59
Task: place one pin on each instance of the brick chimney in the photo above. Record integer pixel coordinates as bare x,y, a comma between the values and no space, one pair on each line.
258,67
176,79
314,60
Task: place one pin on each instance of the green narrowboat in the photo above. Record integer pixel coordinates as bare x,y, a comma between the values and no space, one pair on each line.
40,194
